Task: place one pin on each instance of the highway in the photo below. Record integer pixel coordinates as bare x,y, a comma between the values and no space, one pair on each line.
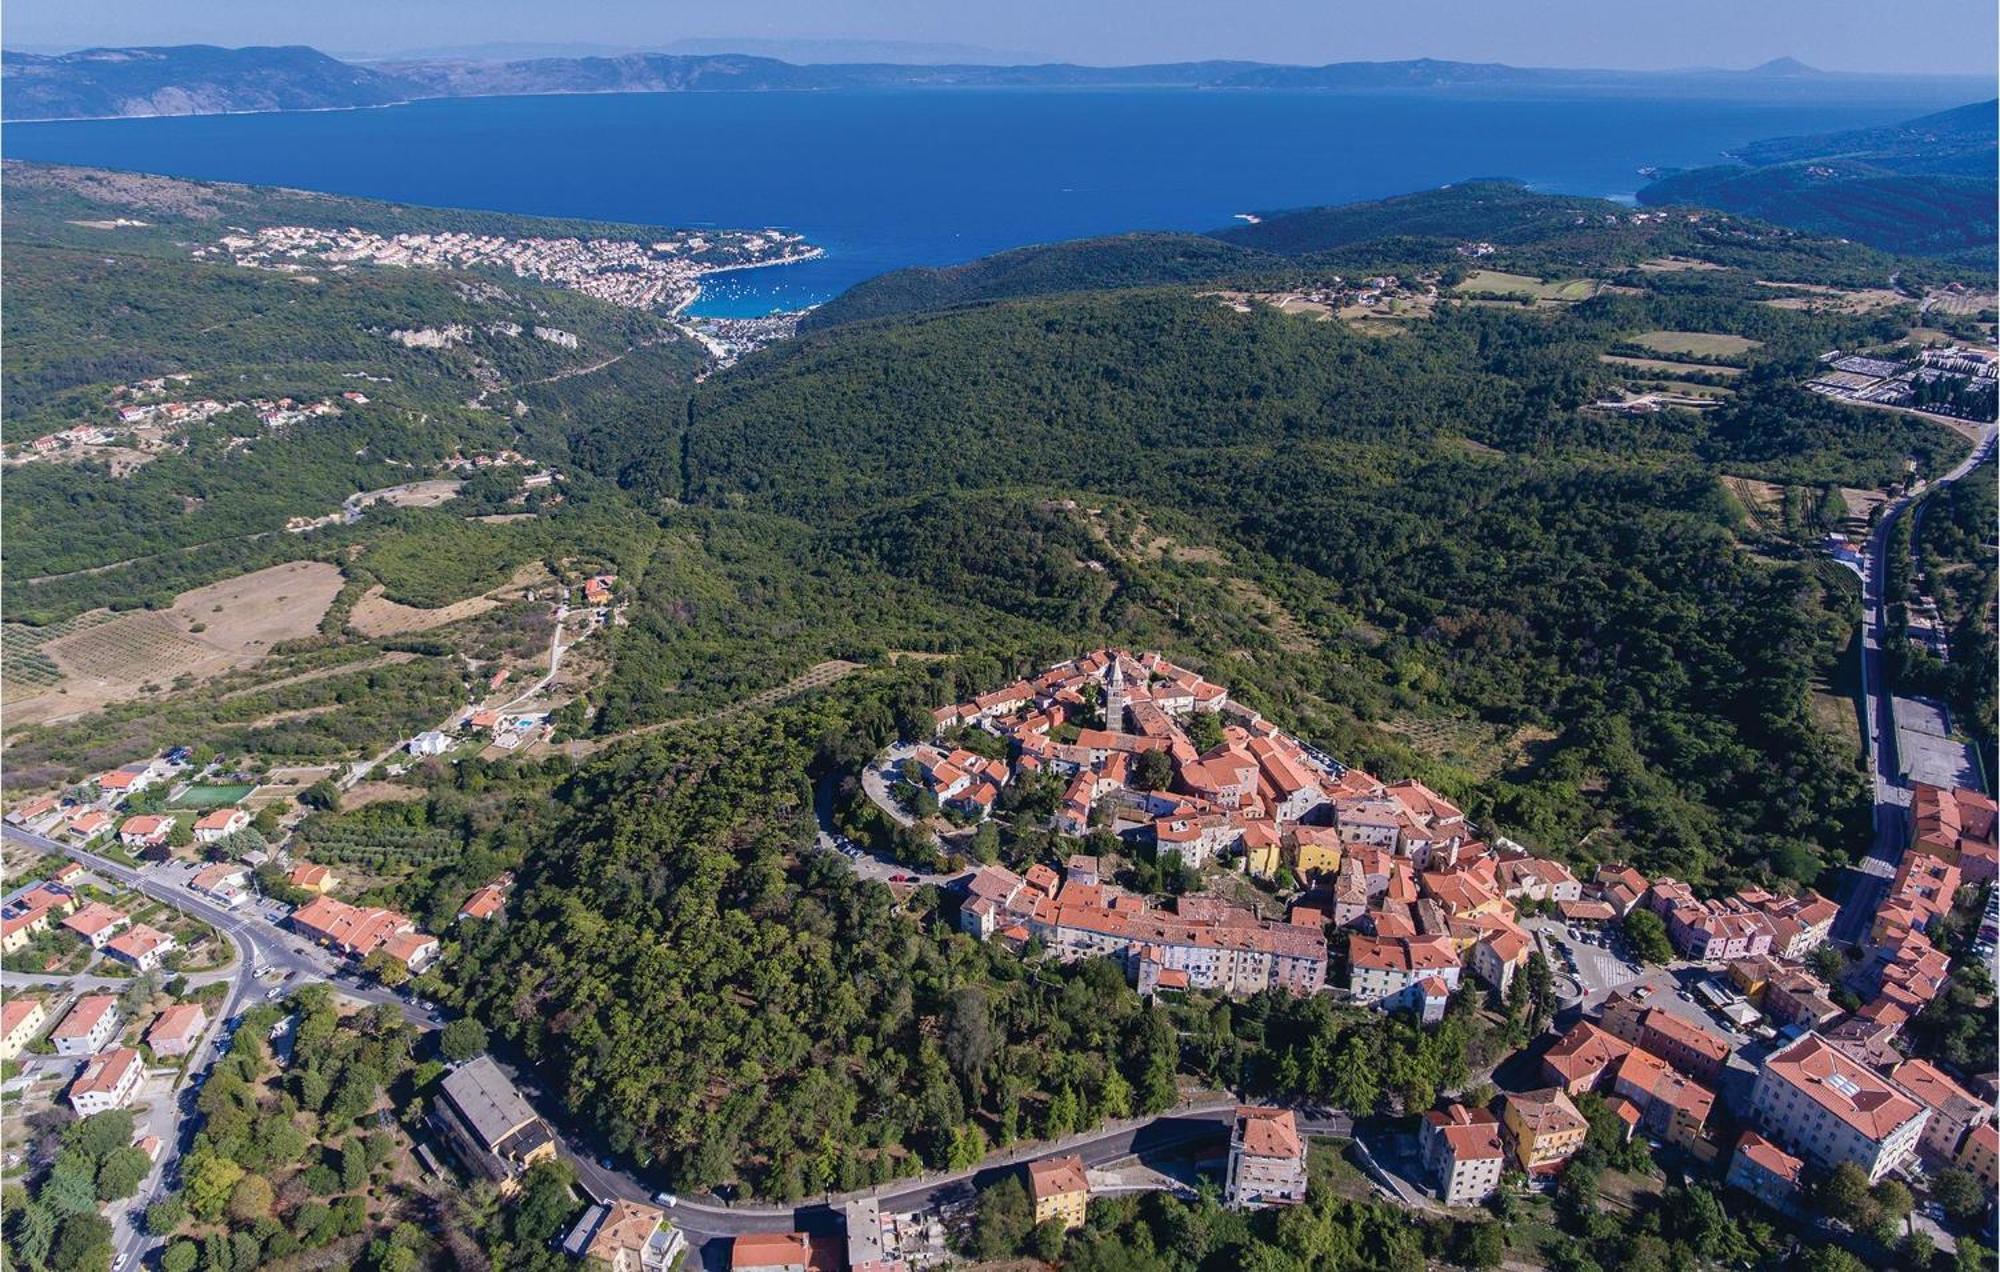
1869,879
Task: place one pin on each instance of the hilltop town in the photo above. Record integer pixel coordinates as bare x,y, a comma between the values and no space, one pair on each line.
1723,1028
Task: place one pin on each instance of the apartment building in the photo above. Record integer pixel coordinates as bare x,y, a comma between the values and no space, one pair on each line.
21,1018
1463,1154
1954,1110
1766,1172
109,1081
1060,1189
1267,1159
1830,1108
1543,1129
1685,1045
90,1026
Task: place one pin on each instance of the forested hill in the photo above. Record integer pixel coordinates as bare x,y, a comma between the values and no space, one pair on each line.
200,79
191,79
1127,260
1925,186
1427,229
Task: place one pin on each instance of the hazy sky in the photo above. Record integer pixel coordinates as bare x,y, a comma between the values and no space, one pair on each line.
1948,36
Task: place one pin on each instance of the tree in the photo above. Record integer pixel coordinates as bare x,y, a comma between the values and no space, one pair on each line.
322,794
251,1199
34,1229
1003,1219
166,1215
1478,1245
83,1241
1647,934
1045,1239
462,1039
1959,1193
121,1173
267,822
1893,1196
210,1178
181,1256
1842,1194
1155,771
386,968
1918,1250
100,1134
1827,963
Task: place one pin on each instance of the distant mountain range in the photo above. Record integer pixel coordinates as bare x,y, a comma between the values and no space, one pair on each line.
202,79
1927,186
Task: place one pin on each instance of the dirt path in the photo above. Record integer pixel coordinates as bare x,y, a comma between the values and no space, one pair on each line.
818,676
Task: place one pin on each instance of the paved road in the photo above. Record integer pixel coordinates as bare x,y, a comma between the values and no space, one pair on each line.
261,942
1869,880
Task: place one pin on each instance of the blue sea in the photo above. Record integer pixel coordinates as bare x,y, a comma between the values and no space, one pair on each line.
931,177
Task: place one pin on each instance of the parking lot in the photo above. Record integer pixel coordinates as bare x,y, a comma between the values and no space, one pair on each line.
1587,964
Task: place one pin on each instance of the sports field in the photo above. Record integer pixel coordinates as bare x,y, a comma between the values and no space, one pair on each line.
219,796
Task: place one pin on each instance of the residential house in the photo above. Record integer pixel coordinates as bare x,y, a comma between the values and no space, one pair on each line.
1830,1108
1383,972
109,1081
1766,1172
220,824
1960,827
488,901
1674,1107
226,881
492,1127
87,824
96,923
312,878
1060,1189
1620,887
625,1236
429,742
21,1018
1463,1154
771,1252
1538,879
129,780
1267,1159
1582,1059
1954,1110
1499,954
358,931
1543,1128
177,1030
141,947
90,1026
147,831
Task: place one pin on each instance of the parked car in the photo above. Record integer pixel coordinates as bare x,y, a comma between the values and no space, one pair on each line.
666,1199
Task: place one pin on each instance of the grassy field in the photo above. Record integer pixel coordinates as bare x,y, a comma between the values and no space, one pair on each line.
1488,282
1664,367
1700,344
221,796
104,659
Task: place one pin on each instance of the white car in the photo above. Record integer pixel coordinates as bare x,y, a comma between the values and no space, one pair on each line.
666,1199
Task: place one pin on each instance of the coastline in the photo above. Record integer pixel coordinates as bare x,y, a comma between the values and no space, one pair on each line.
809,254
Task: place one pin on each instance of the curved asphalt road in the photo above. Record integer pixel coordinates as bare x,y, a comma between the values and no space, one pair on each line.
1869,879
259,942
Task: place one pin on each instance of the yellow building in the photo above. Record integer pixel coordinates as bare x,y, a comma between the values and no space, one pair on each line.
20,1020
1061,1190
1316,851
1543,1128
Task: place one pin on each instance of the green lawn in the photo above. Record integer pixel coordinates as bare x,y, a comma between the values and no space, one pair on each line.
219,796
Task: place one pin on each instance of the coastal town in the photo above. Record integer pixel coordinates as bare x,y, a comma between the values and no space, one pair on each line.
661,276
